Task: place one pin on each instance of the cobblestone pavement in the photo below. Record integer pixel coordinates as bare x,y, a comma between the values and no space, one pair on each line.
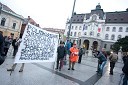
43,74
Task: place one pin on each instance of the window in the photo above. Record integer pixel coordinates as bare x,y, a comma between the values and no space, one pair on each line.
75,34
112,37
91,33
3,20
86,27
127,29
120,29
98,34
72,27
94,17
80,28
114,29
85,33
107,29
119,36
76,28
79,34
106,36
68,27
111,46
71,34
105,45
14,25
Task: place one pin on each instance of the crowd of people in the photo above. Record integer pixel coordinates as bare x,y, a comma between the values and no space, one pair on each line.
75,55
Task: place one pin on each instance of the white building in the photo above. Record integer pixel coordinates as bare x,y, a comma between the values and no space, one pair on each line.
98,29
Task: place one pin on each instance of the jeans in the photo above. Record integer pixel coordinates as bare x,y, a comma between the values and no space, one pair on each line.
125,80
102,66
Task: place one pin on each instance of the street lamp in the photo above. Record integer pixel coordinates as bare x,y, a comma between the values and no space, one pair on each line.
71,19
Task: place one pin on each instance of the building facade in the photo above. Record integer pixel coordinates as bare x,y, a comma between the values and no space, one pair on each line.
98,29
58,31
10,22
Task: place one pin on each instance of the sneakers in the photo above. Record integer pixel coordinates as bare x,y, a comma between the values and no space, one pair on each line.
10,69
20,70
73,69
68,68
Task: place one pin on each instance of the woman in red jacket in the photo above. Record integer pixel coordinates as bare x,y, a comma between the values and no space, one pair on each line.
73,56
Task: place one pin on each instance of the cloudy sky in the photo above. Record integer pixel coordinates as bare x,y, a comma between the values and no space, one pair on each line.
54,13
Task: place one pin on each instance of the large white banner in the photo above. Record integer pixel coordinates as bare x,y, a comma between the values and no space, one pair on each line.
37,45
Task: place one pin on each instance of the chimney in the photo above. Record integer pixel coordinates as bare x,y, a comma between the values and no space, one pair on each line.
28,17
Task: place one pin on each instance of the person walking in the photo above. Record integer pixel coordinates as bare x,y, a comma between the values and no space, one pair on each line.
1,48
7,44
14,65
15,47
113,59
73,56
81,52
102,61
61,53
125,71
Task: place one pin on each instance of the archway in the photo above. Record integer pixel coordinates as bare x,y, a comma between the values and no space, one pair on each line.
86,44
95,45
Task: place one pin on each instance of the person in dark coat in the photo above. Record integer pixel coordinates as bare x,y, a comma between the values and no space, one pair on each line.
61,53
102,61
15,47
113,59
1,43
125,71
7,44
1,48
81,52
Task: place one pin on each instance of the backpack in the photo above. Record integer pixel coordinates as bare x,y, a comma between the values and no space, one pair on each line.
114,58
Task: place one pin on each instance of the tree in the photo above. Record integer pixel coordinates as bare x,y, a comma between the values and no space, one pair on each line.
123,42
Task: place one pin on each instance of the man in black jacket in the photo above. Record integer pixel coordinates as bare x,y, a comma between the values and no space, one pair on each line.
61,53
125,71
1,48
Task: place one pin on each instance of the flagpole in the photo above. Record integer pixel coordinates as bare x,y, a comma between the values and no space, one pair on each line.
71,20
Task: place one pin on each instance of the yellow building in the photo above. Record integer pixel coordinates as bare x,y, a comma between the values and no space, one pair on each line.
10,22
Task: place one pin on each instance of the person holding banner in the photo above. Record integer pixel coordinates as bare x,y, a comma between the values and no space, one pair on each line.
14,65
61,53
73,56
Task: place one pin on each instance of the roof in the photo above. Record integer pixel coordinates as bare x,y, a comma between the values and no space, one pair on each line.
6,9
78,18
117,17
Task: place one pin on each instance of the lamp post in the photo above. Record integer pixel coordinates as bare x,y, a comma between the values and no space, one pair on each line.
71,19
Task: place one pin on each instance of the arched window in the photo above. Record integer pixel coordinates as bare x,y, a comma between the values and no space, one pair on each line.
79,34
3,20
127,29
114,29
91,33
119,36
72,27
71,34
85,33
80,28
106,36
107,29
75,34
98,34
113,37
120,29
76,28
